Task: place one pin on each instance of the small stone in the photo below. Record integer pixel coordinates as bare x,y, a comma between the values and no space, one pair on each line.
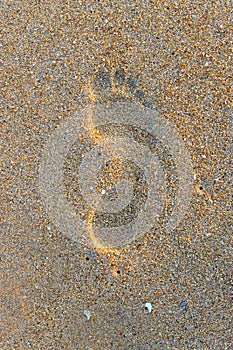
183,304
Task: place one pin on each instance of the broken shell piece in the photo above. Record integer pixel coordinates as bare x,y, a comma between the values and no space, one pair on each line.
87,314
148,306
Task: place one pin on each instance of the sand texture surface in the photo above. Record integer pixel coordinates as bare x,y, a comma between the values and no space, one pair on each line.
116,175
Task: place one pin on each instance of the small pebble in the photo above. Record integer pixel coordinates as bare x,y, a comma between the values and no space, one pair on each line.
183,304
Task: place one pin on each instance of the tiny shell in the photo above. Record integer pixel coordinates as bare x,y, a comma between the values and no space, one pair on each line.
149,307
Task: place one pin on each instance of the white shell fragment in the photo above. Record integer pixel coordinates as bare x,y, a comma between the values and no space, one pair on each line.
87,314
149,307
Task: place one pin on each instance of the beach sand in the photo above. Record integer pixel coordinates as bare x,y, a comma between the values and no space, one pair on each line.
59,293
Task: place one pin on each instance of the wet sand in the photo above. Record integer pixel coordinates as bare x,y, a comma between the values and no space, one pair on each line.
59,293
